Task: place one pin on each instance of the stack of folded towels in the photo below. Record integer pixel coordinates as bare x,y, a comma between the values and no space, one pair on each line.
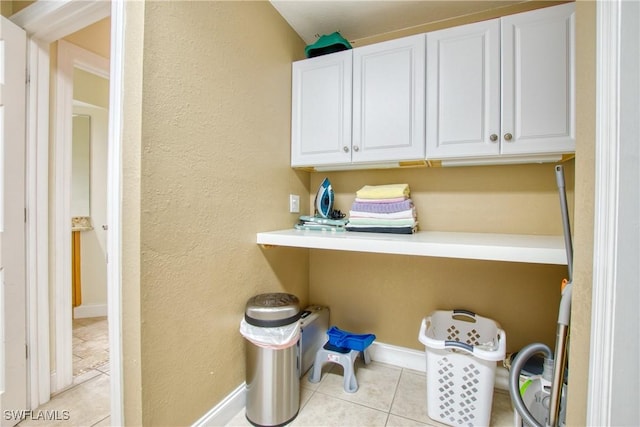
383,209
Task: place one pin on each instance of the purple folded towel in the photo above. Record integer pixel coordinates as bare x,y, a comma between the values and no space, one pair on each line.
389,230
382,207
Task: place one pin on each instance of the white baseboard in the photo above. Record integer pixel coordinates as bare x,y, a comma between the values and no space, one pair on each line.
401,357
398,356
224,411
89,310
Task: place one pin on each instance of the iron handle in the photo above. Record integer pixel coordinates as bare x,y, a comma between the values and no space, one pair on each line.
345,149
493,137
355,148
507,137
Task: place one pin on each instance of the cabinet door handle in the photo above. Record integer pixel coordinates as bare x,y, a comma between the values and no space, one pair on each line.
355,148
493,137
345,149
507,137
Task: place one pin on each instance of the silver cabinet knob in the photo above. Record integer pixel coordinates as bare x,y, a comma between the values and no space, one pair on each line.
493,137
507,137
355,148
345,149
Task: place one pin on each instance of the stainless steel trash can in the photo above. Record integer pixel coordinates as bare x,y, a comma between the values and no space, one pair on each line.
272,374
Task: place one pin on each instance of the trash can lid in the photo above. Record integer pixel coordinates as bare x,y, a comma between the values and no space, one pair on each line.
272,310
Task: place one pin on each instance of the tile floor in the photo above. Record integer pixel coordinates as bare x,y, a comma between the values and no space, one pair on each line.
387,396
86,401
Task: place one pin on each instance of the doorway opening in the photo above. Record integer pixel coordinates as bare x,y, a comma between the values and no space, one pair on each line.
49,226
82,114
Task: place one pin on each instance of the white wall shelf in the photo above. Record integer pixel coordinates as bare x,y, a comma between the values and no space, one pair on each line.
481,246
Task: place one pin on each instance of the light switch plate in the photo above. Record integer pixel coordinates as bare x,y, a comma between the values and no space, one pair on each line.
294,203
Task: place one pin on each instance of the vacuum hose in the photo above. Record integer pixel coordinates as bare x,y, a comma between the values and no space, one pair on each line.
514,379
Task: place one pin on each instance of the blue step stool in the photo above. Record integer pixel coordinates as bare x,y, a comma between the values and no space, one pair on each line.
342,348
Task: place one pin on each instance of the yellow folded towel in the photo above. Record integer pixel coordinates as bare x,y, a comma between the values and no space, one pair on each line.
388,191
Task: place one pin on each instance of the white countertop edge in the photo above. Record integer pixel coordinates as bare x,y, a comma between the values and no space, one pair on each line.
480,246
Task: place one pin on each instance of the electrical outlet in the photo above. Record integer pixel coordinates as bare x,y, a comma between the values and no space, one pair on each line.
294,203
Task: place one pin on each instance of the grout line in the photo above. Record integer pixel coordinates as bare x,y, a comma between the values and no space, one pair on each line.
386,421
334,396
364,405
72,386
395,391
340,397
98,422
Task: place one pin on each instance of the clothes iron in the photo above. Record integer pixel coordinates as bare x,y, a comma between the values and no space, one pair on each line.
324,199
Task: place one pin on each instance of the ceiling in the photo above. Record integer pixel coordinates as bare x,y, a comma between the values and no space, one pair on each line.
358,19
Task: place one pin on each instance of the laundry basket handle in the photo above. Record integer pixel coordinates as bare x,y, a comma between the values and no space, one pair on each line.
462,311
464,315
459,344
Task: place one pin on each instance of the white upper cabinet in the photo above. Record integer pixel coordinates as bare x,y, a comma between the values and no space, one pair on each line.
538,81
321,110
496,91
463,91
373,115
389,101
502,88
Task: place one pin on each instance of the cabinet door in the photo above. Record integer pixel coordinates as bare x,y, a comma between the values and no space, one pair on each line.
538,71
321,110
463,91
388,101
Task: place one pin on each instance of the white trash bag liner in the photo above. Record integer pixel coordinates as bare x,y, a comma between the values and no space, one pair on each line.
273,338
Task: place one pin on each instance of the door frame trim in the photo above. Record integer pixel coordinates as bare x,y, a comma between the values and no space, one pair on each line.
46,22
114,210
605,212
37,167
614,281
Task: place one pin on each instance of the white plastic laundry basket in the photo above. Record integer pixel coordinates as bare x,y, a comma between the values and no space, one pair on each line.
461,349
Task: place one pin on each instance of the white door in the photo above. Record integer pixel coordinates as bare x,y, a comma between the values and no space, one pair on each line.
388,101
463,91
13,369
321,110
538,72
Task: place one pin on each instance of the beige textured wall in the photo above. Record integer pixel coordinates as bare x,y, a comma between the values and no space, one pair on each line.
389,295
585,193
213,171
494,10
8,7
90,88
94,38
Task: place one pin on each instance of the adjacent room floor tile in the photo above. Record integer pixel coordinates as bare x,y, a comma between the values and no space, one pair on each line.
83,405
87,401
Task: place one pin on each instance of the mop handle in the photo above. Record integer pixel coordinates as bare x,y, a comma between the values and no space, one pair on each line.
565,219
564,314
